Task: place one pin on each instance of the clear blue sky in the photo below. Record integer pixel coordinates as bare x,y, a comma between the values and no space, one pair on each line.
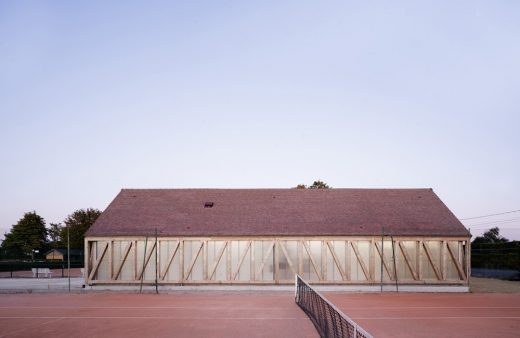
96,96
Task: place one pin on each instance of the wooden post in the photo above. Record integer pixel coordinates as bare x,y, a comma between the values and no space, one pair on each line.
382,254
276,254
156,263
395,266
324,261
443,260
372,261
181,263
205,261
469,259
86,266
228,259
110,259
348,265
134,251
419,254
300,258
144,265
252,266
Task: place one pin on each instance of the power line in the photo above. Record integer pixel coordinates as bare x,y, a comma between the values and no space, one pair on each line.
500,213
499,221
507,226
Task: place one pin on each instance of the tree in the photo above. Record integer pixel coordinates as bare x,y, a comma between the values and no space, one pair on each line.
491,236
319,185
54,232
27,235
78,223
315,185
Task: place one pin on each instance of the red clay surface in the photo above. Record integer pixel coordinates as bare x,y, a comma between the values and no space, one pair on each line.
204,314
261,314
432,315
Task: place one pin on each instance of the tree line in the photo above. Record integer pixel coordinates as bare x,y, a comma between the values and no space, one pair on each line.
30,235
493,251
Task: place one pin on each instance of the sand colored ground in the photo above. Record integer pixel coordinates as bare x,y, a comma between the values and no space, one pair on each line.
487,285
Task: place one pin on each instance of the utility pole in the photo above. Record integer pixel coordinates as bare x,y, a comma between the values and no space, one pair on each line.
382,254
68,253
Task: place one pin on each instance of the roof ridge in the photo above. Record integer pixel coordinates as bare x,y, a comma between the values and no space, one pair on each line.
198,189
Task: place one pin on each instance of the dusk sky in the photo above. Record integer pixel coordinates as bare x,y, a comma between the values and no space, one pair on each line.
96,96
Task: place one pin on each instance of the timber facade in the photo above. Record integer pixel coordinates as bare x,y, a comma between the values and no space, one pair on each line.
117,252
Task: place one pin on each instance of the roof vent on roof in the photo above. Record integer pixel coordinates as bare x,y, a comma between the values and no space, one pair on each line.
208,205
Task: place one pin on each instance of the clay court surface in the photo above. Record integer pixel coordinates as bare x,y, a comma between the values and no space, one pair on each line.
203,314
433,314
253,314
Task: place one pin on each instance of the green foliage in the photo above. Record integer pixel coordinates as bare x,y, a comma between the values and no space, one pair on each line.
54,233
491,236
78,223
501,255
315,185
27,235
493,251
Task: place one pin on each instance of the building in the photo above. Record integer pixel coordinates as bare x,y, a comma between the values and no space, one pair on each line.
61,255
266,236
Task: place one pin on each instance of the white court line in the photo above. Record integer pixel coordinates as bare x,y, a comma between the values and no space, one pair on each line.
31,326
199,307
158,317
429,307
408,318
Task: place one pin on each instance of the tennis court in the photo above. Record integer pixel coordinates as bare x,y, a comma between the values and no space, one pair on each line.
432,314
254,314
203,314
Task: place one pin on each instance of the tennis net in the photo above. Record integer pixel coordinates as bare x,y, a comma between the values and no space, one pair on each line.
328,319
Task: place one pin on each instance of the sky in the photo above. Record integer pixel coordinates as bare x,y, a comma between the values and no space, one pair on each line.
97,96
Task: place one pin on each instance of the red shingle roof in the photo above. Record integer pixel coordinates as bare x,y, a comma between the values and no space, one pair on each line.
277,212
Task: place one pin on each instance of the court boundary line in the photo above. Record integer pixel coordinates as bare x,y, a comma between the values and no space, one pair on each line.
30,327
154,317
432,307
450,317
139,307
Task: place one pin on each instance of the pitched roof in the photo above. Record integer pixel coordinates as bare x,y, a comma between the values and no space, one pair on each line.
277,212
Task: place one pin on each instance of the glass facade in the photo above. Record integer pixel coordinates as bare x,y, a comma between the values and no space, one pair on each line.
276,260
